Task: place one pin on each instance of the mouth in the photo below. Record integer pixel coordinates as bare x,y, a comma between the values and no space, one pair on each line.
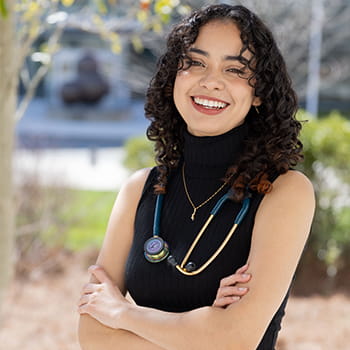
209,104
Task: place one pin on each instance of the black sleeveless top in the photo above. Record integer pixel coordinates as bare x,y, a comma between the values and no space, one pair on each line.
161,286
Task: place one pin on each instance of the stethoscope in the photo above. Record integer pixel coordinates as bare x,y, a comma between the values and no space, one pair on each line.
157,250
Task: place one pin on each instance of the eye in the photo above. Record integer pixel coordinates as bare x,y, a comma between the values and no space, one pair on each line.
196,63
189,62
236,71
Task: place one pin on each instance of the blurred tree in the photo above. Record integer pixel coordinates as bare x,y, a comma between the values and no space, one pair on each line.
8,85
21,23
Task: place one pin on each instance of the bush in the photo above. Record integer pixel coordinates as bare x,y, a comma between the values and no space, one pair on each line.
327,164
139,153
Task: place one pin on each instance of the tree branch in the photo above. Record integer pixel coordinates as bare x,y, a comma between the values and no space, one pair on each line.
38,76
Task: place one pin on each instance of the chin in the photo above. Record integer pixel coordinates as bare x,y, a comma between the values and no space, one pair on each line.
205,131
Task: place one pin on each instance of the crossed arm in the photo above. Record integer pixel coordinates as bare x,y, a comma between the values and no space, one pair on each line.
281,228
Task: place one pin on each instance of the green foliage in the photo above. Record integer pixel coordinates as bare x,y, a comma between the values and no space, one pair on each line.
67,3
327,140
3,8
164,8
327,164
88,213
139,153
153,14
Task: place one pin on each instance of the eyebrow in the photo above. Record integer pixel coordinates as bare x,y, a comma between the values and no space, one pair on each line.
206,54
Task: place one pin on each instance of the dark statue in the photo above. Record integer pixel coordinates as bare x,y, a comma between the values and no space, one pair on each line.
89,86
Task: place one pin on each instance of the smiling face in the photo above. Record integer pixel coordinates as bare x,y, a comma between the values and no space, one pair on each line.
212,93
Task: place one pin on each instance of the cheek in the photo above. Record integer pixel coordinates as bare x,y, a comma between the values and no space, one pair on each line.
180,84
177,97
183,73
243,92
176,89
181,80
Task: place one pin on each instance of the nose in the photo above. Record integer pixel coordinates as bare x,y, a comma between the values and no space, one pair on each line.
211,81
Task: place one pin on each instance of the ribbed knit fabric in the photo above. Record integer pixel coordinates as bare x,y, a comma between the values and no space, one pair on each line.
159,285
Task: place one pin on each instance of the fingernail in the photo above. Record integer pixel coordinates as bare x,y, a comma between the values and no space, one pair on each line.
236,298
242,289
245,275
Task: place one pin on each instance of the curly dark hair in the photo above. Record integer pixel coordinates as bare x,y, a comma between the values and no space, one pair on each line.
272,146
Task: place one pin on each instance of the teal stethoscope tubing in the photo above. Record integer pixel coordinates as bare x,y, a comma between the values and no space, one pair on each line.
238,219
156,249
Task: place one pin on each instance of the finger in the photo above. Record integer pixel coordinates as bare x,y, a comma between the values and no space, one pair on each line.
100,274
84,299
84,309
235,278
224,301
90,288
232,291
242,269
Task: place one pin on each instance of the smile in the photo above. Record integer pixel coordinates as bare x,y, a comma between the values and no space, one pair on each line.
209,104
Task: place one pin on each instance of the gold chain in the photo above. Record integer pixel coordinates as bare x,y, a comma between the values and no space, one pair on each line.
189,198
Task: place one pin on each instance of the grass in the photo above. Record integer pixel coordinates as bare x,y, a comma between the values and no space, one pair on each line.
89,212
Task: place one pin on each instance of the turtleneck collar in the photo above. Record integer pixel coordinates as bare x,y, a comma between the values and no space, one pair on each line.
210,156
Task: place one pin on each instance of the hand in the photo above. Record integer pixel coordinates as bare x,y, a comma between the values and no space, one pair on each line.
228,293
103,301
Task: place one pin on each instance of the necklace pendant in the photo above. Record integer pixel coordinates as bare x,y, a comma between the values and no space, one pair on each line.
193,214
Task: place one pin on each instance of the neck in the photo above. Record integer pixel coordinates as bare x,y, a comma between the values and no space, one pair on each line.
210,156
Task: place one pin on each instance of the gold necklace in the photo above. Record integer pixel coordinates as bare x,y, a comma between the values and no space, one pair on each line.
195,208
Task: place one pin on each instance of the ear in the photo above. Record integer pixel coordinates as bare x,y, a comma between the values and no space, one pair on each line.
256,101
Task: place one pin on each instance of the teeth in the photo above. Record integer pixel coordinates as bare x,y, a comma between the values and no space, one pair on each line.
209,104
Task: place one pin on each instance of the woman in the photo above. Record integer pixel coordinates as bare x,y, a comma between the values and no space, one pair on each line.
222,114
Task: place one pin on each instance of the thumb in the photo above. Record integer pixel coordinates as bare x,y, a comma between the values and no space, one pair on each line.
100,274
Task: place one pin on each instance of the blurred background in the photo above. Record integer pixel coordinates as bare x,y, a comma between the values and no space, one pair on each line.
73,79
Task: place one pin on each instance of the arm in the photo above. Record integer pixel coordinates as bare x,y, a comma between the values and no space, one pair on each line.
281,228
95,336
92,334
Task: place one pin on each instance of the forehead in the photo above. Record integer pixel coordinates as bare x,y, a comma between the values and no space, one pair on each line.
222,35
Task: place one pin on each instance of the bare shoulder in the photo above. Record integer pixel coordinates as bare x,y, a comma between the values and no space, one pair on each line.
133,186
290,190
293,180
140,175
291,202
288,209
138,178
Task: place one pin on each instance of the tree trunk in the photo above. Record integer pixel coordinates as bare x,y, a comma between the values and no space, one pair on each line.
8,94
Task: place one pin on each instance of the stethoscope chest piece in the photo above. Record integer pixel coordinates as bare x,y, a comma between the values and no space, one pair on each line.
156,249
